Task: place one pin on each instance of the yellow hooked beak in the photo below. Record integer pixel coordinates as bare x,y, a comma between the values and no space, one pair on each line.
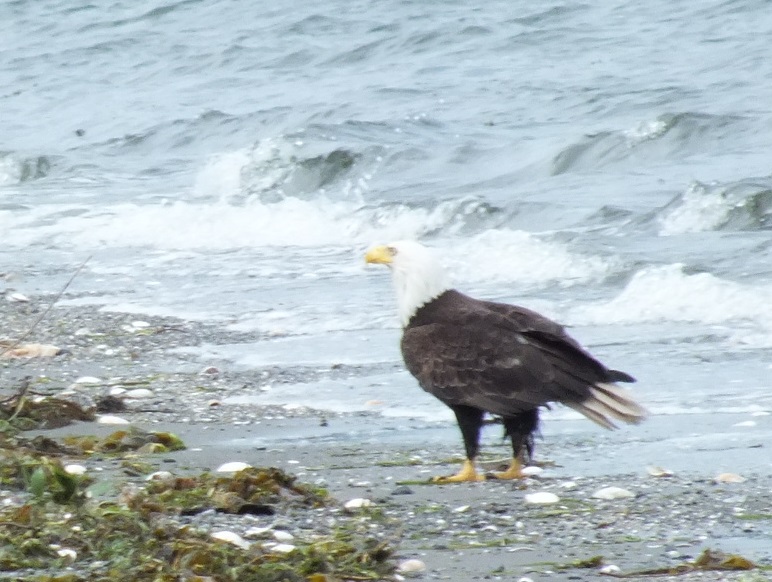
381,255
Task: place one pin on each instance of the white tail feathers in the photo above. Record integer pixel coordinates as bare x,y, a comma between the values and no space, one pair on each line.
607,402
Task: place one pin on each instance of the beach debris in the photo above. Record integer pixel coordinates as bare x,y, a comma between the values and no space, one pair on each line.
729,478
531,471
656,471
124,440
541,498
610,493
358,503
232,467
25,411
10,349
708,560
411,566
231,538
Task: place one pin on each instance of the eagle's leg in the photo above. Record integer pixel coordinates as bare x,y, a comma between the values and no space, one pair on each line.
519,429
469,421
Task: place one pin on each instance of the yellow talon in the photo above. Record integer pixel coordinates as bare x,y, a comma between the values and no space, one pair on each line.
467,474
513,472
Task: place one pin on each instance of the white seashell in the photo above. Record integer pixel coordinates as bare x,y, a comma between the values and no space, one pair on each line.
568,485
88,380
140,324
139,393
729,478
283,536
17,298
110,419
283,548
357,503
75,469
655,471
461,509
68,554
541,498
610,569
525,579
411,566
256,532
117,391
531,471
233,467
160,476
613,493
231,538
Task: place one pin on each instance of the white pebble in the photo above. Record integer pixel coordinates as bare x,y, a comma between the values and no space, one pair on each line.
357,503
231,538
283,536
139,393
233,467
140,324
613,493
541,498
568,485
68,554
117,391
532,471
411,566
210,370
461,509
256,532
525,579
110,419
17,298
283,548
729,478
610,569
75,469
88,380
655,471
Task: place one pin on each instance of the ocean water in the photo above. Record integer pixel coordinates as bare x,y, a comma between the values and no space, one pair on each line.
605,163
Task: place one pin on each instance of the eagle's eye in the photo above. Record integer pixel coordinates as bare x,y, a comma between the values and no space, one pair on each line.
392,250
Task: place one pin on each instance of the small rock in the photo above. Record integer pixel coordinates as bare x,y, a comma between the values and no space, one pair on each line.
75,469
232,467
162,476
357,503
256,532
610,569
213,403
461,509
541,498
283,548
68,554
283,536
210,370
140,324
729,478
410,566
110,419
613,493
139,393
88,380
117,391
655,471
402,490
17,298
532,471
231,538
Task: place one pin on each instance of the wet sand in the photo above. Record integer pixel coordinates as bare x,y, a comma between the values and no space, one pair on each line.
480,531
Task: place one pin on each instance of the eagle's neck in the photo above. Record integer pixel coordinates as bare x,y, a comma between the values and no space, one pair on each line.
417,287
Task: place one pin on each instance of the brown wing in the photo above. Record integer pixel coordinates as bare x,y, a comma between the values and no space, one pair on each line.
497,357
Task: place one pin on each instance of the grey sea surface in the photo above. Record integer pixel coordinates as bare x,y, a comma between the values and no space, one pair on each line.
607,164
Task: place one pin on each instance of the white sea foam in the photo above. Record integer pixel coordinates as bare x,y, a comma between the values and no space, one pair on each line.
666,293
698,210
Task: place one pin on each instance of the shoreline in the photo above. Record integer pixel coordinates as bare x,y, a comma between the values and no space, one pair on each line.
460,532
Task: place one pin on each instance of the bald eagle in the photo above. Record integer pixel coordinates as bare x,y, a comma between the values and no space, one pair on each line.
481,356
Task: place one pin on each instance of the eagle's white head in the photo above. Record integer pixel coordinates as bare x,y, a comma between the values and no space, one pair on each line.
417,274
